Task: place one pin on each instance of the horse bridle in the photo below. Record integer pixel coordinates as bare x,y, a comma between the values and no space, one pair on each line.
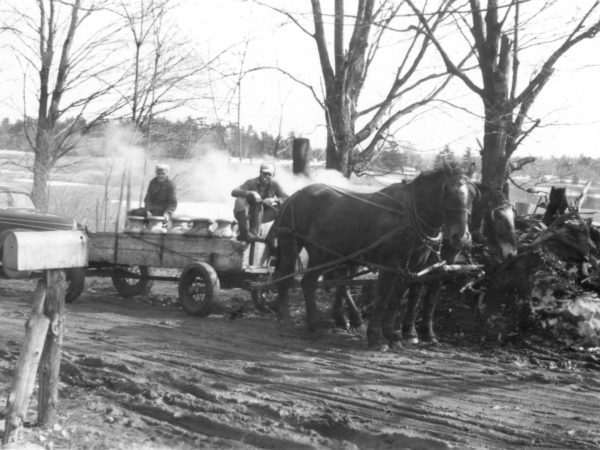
418,222
502,205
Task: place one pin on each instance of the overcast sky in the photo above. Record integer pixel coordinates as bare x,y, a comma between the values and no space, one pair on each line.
569,105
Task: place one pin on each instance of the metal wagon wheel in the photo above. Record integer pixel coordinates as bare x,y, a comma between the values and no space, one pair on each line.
130,281
198,288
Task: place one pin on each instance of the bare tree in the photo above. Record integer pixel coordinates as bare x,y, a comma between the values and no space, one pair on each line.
345,70
71,90
494,33
164,65
159,65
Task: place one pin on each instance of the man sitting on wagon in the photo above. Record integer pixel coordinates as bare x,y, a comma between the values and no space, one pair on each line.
257,202
160,199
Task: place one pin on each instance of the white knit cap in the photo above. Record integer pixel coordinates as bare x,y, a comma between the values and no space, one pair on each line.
163,167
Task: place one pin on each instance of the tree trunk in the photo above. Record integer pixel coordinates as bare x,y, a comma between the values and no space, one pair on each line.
41,175
340,137
494,160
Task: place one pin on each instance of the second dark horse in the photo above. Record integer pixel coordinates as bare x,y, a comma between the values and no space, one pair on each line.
393,230
493,222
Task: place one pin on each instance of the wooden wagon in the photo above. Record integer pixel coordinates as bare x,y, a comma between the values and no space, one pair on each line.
206,264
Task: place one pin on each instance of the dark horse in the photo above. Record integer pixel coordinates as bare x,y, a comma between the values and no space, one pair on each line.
392,230
493,224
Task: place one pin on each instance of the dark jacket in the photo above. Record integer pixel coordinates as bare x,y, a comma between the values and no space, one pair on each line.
160,197
273,190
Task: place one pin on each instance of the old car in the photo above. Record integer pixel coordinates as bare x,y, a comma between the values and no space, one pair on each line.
18,212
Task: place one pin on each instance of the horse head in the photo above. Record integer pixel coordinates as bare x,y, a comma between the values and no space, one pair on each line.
458,196
446,201
498,221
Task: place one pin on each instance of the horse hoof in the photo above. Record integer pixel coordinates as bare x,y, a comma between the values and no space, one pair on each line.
413,340
432,341
343,326
396,345
378,347
321,324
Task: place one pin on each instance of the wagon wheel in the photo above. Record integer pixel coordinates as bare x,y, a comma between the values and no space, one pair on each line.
265,299
75,283
128,286
198,288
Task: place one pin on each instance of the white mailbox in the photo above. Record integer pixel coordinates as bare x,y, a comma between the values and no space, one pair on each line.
42,250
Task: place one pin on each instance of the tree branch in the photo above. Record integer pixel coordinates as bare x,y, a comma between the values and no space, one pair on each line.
450,66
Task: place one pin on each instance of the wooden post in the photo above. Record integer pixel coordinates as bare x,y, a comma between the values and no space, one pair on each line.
50,363
27,365
141,202
301,156
124,175
128,199
97,215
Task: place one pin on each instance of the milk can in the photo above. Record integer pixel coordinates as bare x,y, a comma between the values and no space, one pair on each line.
134,224
201,227
180,225
156,224
224,228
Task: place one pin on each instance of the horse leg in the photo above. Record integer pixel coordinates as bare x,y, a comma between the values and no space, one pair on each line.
356,320
285,265
388,321
431,297
309,288
338,312
385,289
409,331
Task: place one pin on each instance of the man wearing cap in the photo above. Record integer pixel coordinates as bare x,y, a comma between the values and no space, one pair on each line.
257,202
160,197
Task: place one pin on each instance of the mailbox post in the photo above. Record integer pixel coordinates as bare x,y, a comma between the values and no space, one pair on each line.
50,251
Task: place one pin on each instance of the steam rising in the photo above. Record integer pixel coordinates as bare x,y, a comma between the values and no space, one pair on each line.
204,182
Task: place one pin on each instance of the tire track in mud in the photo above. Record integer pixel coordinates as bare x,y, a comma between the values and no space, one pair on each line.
214,382
249,376
342,409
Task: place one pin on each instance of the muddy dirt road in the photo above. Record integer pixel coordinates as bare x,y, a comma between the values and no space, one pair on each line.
142,374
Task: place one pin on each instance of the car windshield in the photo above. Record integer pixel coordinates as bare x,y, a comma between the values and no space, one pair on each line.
16,200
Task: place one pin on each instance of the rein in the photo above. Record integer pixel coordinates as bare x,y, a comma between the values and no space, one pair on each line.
368,202
421,227
417,223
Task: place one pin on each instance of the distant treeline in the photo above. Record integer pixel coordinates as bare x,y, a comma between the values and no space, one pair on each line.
563,169
165,138
189,138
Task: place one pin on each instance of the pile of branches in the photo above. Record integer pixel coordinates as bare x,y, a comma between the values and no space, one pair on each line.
549,290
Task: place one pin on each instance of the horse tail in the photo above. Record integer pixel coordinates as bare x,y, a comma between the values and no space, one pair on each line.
271,239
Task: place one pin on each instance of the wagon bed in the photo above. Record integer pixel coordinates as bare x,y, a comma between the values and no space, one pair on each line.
165,250
207,263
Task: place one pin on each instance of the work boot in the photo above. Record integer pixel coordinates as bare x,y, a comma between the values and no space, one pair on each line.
245,234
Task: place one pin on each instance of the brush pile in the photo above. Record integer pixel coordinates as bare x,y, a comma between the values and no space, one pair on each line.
548,292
